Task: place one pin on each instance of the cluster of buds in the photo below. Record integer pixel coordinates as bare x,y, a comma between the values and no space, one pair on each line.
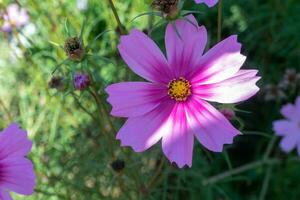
168,8
290,79
74,48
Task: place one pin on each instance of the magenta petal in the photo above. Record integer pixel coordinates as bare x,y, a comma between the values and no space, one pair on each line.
14,142
4,195
211,128
289,142
285,127
209,3
178,141
17,175
221,62
131,99
238,88
142,132
144,57
185,43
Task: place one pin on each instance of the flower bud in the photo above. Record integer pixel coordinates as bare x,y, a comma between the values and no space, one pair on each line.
228,113
273,93
74,48
81,81
56,82
167,7
118,165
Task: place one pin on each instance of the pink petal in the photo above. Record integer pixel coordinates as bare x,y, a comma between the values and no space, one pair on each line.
285,127
211,128
209,3
185,43
289,142
131,99
233,90
14,142
178,141
290,112
142,132
144,57
4,195
17,175
221,62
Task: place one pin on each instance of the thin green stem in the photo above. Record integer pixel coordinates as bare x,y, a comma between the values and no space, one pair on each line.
9,116
265,183
113,8
219,20
239,170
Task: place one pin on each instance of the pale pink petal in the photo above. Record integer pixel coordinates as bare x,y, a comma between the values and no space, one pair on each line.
185,43
14,142
4,195
211,128
131,99
178,140
142,132
285,127
209,3
17,175
289,142
221,62
238,88
144,57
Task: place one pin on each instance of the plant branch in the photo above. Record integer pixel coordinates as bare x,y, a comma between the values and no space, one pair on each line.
113,8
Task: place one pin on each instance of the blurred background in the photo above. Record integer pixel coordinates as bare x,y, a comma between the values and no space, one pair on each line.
75,153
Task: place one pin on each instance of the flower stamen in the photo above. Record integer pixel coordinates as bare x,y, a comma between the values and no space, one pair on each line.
179,89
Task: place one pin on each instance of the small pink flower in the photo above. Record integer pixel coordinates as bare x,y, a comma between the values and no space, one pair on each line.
209,3
172,105
14,17
16,171
289,128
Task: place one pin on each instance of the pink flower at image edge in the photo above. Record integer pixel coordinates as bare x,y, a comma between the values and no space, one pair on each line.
14,17
209,3
172,106
16,170
289,128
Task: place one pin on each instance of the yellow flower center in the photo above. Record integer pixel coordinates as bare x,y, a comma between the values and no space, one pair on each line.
179,89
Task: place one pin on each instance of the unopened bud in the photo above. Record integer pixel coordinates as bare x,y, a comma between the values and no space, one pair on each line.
56,82
167,7
81,81
74,48
228,113
118,165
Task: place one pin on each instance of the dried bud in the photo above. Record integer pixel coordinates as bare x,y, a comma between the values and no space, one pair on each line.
81,81
56,82
167,7
273,93
290,78
118,165
74,48
228,113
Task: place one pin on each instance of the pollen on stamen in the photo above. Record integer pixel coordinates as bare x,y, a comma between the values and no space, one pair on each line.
179,89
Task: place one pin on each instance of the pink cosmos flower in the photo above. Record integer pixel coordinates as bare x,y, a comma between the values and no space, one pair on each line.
172,105
289,128
16,171
14,17
209,3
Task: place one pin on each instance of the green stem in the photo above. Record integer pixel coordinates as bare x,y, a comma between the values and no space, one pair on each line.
6,110
239,170
113,8
219,20
265,184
